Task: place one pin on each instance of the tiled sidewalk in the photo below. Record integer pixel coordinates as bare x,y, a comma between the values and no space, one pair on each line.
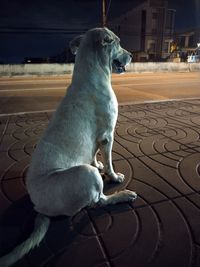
157,147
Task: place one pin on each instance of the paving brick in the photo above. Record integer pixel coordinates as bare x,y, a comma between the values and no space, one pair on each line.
3,125
5,162
174,245
132,237
170,174
119,152
190,213
157,147
150,185
197,259
13,189
7,142
16,169
4,202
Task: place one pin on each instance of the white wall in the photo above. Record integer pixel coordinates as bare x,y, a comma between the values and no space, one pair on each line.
35,69
163,67
61,69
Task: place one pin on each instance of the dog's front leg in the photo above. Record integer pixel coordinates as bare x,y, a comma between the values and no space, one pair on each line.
106,150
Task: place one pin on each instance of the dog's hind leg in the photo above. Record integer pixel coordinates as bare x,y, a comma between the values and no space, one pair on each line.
67,191
118,197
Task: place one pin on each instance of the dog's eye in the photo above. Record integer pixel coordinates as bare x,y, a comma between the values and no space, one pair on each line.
108,39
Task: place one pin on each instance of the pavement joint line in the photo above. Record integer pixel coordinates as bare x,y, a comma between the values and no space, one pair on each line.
189,103
4,130
155,83
181,100
182,109
100,240
150,154
135,103
165,180
27,112
157,101
169,199
191,188
33,89
158,132
13,82
3,180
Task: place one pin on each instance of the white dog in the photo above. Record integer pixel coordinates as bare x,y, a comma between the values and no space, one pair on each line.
63,177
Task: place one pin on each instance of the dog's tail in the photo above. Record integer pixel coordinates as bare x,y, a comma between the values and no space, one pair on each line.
40,228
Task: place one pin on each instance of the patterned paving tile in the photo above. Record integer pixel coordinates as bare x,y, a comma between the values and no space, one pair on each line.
157,147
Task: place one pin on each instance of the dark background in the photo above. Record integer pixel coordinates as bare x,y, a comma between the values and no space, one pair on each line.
43,28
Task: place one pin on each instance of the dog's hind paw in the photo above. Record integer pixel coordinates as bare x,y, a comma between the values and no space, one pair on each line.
131,195
99,165
120,177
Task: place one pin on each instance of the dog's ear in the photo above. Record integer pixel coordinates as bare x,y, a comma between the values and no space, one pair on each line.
75,43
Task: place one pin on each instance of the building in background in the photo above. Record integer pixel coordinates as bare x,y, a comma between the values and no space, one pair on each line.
187,40
147,30
188,43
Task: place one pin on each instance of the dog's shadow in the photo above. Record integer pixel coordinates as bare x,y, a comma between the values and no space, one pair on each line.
17,222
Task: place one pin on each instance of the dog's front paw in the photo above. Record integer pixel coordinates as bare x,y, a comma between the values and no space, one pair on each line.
116,177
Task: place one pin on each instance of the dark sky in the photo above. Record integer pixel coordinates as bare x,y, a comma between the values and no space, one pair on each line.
42,28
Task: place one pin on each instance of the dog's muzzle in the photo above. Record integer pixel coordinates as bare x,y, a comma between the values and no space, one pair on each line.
118,66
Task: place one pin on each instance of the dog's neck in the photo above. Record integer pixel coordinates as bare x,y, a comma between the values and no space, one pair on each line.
93,68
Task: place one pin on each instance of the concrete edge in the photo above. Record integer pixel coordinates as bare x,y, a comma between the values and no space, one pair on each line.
16,70
119,104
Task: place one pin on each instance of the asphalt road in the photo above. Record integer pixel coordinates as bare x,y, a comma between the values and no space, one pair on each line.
33,94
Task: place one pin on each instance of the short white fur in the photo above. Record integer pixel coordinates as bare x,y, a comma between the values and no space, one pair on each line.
63,176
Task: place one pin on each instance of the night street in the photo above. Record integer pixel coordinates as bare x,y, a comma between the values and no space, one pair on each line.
25,94
90,184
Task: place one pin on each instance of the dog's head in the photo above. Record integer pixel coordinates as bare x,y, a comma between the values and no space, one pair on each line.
106,44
